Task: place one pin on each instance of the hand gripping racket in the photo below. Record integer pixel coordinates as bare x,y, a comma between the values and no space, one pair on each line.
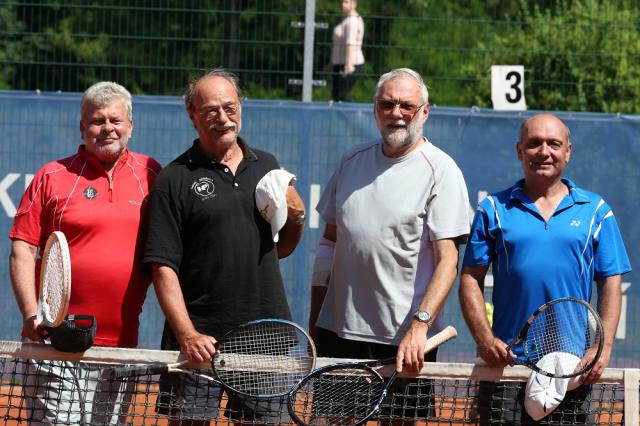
568,327
346,394
263,359
55,281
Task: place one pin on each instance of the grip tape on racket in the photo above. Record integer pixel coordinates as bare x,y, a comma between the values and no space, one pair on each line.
448,333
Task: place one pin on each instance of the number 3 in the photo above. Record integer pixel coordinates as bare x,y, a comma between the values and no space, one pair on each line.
515,86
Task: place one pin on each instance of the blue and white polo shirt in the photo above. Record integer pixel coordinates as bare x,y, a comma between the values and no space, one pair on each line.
534,261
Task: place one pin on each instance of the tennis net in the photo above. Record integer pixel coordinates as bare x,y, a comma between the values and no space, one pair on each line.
39,384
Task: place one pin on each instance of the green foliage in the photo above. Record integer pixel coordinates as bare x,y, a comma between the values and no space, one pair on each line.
580,56
10,51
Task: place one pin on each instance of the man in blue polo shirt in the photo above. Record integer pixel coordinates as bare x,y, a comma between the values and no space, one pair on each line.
545,239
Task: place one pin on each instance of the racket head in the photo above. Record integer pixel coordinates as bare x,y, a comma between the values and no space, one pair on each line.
345,394
264,358
55,281
568,327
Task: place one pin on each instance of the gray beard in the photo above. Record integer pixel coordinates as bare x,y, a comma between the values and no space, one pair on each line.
403,138
109,152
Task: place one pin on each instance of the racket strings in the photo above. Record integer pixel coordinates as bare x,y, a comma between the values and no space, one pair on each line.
339,396
53,292
567,328
266,358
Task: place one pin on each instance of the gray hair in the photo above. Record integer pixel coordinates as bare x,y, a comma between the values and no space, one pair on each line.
104,93
191,91
400,73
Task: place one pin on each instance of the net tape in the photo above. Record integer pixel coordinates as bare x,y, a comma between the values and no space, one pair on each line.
444,393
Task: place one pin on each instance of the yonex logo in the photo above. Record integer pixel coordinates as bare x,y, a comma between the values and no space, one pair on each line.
575,223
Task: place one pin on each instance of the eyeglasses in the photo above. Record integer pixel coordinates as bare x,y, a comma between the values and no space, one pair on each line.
212,113
406,108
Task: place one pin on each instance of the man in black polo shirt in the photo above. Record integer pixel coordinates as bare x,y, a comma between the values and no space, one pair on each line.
212,255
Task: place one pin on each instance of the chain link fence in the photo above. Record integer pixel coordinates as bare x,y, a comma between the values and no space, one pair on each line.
580,55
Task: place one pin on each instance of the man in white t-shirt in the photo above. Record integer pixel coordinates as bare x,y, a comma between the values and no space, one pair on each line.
396,211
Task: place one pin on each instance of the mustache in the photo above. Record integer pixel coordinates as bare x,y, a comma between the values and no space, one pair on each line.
222,127
397,123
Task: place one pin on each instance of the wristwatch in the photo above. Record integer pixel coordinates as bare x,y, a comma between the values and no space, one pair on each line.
423,316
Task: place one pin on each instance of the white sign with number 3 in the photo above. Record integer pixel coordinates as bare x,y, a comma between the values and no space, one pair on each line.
507,87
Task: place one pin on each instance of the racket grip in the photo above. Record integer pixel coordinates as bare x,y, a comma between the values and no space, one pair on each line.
139,370
445,335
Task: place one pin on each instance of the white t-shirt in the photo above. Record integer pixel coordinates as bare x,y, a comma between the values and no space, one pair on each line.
387,211
349,32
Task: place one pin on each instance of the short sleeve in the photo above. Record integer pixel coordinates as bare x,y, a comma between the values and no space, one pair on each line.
481,244
31,215
610,254
164,239
448,209
327,205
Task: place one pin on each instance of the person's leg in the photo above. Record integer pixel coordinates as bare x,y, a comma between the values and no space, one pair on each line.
409,399
574,410
187,399
109,399
501,403
51,393
347,83
255,411
336,82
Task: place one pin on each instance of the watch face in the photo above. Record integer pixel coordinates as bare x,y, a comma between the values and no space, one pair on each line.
423,316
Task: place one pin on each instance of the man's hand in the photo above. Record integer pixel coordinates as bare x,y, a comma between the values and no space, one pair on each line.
197,347
31,329
411,349
495,354
349,69
295,206
592,375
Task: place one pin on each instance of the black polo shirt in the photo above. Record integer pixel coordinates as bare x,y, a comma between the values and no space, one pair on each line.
203,223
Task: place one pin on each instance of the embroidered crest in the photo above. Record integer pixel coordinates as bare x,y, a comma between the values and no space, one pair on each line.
204,188
90,193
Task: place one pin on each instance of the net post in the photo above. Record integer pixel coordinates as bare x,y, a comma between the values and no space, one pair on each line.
631,396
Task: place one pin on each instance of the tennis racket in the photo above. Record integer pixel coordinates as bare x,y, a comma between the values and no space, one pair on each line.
55,281
263,359
346,394
568,327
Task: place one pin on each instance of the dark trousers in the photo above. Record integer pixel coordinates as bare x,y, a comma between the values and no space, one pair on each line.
408,398
342,84
502,403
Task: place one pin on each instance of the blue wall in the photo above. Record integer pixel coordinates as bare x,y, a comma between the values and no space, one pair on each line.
308,139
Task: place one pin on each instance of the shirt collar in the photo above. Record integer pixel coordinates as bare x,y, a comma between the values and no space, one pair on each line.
518,194
197,155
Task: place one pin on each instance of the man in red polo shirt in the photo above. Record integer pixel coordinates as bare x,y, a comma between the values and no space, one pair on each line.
97,198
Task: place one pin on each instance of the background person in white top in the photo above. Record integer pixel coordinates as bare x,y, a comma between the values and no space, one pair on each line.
347,58
396,211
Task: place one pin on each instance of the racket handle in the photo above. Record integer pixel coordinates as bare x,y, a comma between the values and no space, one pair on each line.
139,370
445,335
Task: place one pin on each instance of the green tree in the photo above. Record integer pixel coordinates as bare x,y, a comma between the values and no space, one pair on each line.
580,56
10,47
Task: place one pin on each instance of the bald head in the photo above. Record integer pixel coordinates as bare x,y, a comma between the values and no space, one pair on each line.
544,119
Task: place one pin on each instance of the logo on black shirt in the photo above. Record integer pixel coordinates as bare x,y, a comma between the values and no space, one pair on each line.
204,188
90,193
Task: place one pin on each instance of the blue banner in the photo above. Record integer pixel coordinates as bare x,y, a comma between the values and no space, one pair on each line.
308,140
